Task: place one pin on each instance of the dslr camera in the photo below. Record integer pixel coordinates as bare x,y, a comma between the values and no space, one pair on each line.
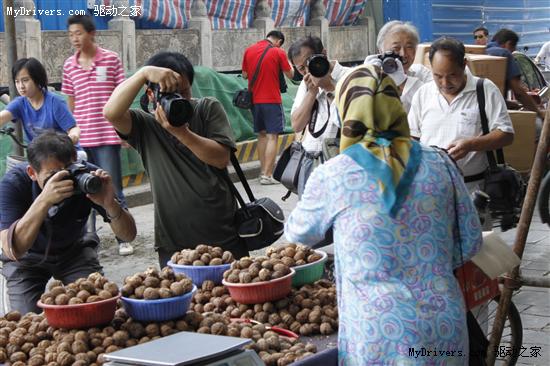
318,65
178,110
389,64
84,182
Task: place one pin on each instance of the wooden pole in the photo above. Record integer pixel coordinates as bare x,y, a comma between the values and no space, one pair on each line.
521,236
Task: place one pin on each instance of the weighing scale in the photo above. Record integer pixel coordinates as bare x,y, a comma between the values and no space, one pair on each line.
187,348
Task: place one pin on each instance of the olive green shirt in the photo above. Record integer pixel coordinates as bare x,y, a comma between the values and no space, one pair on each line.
193,203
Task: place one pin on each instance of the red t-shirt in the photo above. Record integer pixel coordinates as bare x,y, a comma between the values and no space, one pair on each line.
266,86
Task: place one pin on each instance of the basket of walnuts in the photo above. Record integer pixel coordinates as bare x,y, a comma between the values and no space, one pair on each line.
87,302
156,295
309,264
204,263
258,280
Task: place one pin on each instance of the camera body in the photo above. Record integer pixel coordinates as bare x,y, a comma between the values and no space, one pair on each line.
389,64
84,182
318,65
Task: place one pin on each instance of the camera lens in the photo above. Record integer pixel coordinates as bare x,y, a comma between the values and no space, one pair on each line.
178,110
318,65
389,65
88,183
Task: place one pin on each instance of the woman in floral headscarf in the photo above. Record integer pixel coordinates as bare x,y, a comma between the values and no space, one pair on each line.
402,220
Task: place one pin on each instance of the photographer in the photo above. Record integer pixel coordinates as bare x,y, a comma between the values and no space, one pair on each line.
44,208
401,39
313,111
185,147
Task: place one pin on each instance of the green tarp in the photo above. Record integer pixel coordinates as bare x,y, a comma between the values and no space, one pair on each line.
207,83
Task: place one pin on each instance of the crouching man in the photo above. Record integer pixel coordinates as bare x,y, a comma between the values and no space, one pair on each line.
44,206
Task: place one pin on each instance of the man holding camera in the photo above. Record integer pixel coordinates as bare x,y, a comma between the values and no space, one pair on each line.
398,40
313,112
44,207
267,57
185,147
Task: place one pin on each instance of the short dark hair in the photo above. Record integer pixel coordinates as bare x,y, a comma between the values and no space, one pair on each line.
485,30
174,61
276,34
85,20
504,35
314,43
452,46
50,144
36,71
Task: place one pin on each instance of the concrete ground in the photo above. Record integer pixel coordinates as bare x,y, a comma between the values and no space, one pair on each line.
533,303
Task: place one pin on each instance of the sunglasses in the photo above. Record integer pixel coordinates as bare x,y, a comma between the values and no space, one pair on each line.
479,37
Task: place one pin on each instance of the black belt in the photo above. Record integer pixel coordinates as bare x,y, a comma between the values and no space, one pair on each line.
473,178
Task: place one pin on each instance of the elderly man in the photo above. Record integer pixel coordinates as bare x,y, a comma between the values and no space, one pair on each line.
402,38
445,112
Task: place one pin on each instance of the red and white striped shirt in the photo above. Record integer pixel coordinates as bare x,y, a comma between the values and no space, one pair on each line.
91,89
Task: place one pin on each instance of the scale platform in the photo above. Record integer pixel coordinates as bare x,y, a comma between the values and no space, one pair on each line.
187,348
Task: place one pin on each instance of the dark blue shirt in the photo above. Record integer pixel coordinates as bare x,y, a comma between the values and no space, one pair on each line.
17,193
512,67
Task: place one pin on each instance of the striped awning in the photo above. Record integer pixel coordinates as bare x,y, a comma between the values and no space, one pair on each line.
239,14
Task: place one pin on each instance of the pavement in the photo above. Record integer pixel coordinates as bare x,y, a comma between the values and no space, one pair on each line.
533,303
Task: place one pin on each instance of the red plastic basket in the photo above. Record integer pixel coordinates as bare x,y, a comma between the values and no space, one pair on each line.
80,315
259,292
476,287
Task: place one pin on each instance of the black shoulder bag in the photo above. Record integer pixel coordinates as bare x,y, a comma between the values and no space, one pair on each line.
243,98
502,183
261,221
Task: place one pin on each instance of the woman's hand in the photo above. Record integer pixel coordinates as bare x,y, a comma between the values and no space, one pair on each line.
74,134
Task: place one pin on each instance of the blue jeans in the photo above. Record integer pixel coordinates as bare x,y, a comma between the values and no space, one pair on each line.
108,158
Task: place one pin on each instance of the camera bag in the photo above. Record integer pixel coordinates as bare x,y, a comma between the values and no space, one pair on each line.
243,98
259,222
502,183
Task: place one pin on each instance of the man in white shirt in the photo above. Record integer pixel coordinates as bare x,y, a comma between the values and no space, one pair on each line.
544,55
313,111
445,112
402,38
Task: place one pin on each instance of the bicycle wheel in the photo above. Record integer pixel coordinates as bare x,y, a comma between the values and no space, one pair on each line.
544,199
509,348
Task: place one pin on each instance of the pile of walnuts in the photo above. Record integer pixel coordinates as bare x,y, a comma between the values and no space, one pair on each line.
152,284
309,310
293,254
257,269
202,255
84,290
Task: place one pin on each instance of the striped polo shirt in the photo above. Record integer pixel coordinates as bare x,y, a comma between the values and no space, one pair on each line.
91,89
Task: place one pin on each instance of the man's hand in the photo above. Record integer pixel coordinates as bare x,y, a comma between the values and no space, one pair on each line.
57,188
161,118
311,86
106,195
168,80
326,83
459,148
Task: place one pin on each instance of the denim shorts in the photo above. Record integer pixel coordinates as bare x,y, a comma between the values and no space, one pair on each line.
268,117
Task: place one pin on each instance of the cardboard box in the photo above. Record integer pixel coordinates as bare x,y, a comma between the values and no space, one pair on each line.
476,286
489,67
521,153
423,50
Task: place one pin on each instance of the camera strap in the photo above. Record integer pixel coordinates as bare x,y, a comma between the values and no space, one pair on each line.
313,120
255,76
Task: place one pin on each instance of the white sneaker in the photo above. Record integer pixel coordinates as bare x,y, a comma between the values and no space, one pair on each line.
125,249
266,181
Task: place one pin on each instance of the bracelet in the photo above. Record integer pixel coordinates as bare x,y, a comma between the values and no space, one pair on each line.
114,218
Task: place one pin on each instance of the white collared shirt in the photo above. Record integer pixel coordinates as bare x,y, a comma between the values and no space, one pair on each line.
417,76
437,122
310,143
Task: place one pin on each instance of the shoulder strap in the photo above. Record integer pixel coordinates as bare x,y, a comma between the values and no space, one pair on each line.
253,80
485,124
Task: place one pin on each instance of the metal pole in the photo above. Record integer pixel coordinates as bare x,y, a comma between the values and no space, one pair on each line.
521,235
11,48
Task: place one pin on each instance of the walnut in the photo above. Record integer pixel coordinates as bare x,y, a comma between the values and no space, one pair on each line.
65,358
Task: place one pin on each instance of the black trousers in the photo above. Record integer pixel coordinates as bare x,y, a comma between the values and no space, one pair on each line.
27,278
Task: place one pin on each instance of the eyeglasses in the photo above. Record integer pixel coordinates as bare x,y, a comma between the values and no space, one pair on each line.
479,37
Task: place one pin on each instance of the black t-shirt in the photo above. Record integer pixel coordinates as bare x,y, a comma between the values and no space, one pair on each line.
17,193
193,203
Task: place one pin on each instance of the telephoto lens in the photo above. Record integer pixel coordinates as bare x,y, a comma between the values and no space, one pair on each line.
178,110
318,65
88,183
